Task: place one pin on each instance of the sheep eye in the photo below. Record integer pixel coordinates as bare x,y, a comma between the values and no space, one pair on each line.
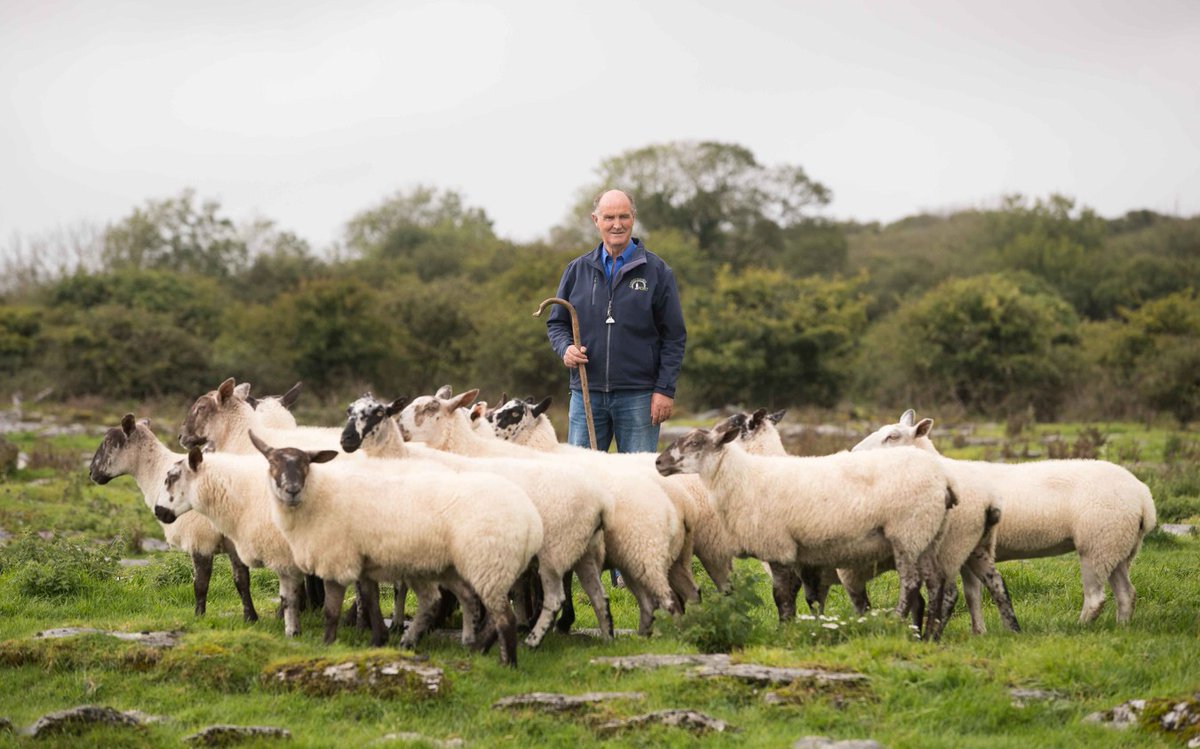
892,437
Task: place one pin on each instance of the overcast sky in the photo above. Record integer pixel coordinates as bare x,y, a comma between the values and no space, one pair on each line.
307,112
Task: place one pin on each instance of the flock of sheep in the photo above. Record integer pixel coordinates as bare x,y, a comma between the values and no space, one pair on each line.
442,494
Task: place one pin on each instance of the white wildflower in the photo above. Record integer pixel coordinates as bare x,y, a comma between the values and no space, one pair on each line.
830,625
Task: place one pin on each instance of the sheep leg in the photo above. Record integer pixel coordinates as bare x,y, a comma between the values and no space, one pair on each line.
315,588
681,580
289,601
566,617
472,611
202,565
588,570
368,593
816,589
1123,591
785,584
503,627
910,601
399,598
645,603
855,583
719,568
982,567
241,583
973,593
1093,590
552,601
335,593
935,584
350,619
429,598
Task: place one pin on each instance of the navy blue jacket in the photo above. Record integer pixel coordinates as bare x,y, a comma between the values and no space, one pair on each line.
642,349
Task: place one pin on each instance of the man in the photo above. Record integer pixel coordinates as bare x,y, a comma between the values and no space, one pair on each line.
631,330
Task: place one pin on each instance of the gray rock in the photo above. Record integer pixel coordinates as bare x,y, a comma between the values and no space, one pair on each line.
771,675
223,735
149,639
594,632
133,562
824,742
1122,716
633,662
1194,743
1025,697
375,675
556,703
409,737
689,719
155,544
1178,529
75,718
1181,716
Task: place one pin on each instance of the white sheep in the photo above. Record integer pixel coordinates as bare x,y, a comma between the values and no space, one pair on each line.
968,543
573,507
643,537
222,419
525,423
842,510
133,449
1051,507
274,411
346,521
230,491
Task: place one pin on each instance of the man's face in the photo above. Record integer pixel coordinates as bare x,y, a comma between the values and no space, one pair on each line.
614,220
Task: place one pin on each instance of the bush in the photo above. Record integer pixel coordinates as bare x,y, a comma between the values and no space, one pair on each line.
718,624
57,568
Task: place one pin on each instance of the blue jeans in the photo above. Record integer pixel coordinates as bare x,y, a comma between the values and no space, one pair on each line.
623,414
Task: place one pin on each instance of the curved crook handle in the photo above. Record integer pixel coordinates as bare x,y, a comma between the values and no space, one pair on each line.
583,383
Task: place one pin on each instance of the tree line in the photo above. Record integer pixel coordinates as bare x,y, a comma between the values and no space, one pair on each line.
1032,304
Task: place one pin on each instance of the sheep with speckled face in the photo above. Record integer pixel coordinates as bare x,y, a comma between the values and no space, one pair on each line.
842,510
1051,507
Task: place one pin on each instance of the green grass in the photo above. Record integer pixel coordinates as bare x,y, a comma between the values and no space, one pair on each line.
954,694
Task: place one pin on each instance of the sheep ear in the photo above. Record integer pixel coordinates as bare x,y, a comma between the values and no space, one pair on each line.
908,417
444,392
777,416
478,410
541,408
396,406
322,456
225,390
725,435
923,427
289,398
261,446
242,391
195,458
465,399
127,424
503,397
758,416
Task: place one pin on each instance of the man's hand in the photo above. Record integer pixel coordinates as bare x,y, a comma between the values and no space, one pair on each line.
574,356
660,408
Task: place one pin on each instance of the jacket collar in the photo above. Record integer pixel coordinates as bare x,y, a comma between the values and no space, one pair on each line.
636,257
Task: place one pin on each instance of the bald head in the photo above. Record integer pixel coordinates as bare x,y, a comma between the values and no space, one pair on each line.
613,214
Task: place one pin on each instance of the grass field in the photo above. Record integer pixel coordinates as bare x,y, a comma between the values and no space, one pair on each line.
952,694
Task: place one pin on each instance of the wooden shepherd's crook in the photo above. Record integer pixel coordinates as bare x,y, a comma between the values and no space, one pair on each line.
587,401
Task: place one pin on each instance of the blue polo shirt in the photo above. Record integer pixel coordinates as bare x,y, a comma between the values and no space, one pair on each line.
613,267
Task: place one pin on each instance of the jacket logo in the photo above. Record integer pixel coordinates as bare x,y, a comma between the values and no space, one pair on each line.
639,284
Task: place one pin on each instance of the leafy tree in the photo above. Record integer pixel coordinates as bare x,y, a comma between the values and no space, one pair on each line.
20,329
737,210
281,261
431,231
176,234
761,337
988,343
193,303
1157,354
